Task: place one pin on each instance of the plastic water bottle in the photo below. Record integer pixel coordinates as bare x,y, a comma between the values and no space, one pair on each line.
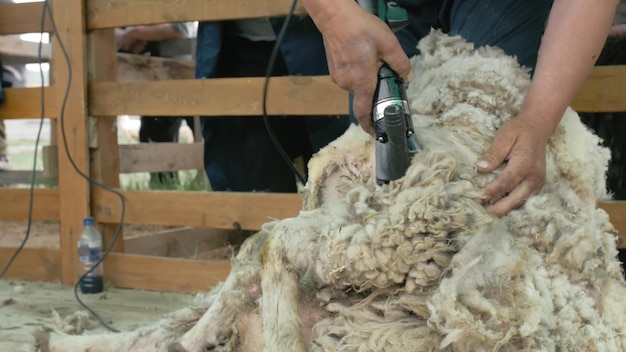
89,253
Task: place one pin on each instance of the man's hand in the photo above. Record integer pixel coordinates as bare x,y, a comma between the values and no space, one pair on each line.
357,44
129,41
135,39
570,46
523,146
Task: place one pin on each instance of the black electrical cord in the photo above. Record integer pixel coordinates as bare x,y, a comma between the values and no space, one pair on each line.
48,10
31,193
86,177
268,74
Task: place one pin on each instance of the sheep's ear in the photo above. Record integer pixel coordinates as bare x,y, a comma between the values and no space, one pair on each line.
338,167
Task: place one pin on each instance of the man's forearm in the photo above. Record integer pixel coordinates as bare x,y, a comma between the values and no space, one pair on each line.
573,40
321,10
156,33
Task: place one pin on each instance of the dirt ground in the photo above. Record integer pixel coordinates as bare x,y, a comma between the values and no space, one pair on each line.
27,307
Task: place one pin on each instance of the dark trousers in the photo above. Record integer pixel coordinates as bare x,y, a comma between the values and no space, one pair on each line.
159,129
239,153
512,25
611,128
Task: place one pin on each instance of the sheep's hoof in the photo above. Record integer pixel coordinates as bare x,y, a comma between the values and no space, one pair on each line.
42,340
176,347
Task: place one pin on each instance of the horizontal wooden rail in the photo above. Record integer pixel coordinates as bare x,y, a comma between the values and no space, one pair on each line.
164,274
15,202
25,103
603,91
311,95
141,157
22,18
120,13
146,68
161,157
20,176
617,214
225,209
219,210
122,270
34,264
25,51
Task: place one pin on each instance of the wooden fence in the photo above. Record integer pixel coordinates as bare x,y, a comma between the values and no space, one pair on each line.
96,97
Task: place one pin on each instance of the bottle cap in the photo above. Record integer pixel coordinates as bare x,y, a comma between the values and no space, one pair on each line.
88,221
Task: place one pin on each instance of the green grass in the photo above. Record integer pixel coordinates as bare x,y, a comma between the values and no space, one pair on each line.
22,154
188,180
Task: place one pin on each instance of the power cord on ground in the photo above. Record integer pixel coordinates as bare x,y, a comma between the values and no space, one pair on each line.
31,193
48,10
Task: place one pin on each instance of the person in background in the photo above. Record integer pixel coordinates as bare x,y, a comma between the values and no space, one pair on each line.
161,40
11,76
239,154
611,126
4,156
558,40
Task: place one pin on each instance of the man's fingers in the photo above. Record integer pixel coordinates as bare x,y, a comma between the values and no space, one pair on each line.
393,55
494,156
501,185
513,200
362,108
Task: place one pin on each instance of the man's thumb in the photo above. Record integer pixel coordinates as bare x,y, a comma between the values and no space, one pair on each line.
488,161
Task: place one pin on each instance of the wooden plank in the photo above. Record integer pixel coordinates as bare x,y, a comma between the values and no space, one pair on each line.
105,167
50,162
184,242
26,51
220,210
25,103
120,13
20,176
15,203
34,264
69,16
603,91
132,68
301,95
163,274
161,157
122,270
617,214
22,18
142,157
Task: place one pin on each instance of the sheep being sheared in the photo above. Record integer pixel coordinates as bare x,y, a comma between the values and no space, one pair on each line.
419,265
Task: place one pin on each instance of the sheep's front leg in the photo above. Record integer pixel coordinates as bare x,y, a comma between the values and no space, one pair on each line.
215,328
238,293
279,304
291,251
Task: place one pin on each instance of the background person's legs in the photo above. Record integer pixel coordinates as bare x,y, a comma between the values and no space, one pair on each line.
515,26
239,154
512,25
160,129
4,153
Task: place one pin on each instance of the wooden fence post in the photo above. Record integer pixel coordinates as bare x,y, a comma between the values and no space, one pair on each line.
105,163
70,77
